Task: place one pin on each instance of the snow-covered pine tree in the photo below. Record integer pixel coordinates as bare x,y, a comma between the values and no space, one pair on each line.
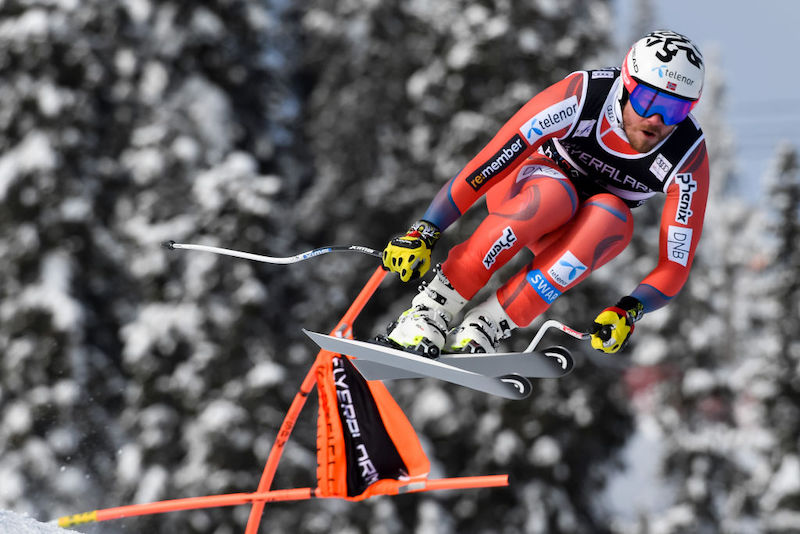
778,346
130,373
696,350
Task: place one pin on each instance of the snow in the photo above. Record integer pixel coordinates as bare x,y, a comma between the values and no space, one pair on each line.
52,292
145,164
31,24
638,488
156,326
506,444
265,374
152,485
129,462
433,519
34,153
50,100
139,10
785,482
698,381
236,179
545,452
18,418
12,523
431,403
207,24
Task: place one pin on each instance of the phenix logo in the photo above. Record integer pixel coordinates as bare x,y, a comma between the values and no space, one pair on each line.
687,188
505,242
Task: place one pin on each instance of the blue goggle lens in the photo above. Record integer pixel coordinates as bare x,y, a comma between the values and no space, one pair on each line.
647,102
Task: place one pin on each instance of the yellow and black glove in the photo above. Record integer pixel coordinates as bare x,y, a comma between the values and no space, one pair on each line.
612,329
410,255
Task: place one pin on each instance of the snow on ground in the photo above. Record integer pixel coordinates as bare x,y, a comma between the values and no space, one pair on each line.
11,523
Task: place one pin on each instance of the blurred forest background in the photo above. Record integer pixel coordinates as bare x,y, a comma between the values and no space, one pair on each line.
130,374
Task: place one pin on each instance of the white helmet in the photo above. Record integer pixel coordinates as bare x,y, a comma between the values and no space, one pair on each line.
671,65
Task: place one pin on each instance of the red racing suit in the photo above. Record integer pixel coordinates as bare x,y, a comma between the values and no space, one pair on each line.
560,178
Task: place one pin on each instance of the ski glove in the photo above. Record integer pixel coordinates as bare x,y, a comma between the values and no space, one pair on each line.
612,329
410,255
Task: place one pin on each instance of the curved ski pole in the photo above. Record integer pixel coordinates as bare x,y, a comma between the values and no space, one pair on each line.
172,245
552,323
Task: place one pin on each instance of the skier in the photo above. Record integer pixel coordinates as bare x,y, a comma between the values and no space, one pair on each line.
560,177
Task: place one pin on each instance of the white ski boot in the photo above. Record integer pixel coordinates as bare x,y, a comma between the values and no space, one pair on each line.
481,330
423,327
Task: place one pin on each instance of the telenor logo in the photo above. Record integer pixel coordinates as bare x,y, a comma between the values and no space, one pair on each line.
666,72
534,129
550,120
566,269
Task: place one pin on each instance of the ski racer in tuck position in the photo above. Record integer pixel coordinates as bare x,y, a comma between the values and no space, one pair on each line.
561,177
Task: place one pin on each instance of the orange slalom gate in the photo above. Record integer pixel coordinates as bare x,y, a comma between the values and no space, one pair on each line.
417,482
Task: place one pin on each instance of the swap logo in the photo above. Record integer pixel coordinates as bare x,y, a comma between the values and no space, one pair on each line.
542,286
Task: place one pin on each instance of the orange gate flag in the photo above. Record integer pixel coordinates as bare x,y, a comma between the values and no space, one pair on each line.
365,444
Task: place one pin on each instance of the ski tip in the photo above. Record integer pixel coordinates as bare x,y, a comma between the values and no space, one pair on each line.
521,385
169,245
315,337
561,357
309,333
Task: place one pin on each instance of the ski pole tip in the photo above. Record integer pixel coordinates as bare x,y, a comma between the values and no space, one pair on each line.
170,245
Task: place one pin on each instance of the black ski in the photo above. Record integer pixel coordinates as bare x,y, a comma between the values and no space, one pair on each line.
552,362
509,386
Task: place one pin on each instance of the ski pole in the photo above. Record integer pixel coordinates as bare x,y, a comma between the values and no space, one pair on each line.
172,245
552,323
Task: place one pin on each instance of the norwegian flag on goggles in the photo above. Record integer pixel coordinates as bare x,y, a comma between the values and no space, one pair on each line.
647,102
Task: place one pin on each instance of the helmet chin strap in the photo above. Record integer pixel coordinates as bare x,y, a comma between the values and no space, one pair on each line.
620,98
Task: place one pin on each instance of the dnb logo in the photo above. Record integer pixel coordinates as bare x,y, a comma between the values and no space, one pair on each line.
679,244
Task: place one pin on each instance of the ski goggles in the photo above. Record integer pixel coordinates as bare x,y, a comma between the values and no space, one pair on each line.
647,102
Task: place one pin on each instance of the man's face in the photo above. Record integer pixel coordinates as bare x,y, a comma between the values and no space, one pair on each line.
643,133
